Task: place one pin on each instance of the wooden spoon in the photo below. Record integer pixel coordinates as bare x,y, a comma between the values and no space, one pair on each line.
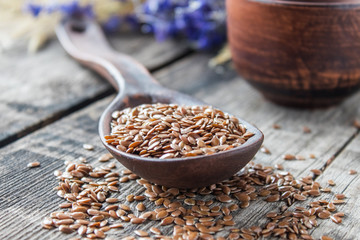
83,39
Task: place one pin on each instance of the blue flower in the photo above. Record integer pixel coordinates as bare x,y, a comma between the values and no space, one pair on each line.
202,22
112,24
34,9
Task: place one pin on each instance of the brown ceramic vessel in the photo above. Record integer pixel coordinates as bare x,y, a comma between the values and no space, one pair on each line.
297,53
84,41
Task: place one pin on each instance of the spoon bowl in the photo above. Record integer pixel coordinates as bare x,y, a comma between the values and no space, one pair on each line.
83,39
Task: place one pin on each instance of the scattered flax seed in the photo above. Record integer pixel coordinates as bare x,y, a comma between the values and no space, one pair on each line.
306,129
106,157
331,182
288,157
312,156
141,233
33,164
265,150
339,214
91,208
340,196
326,238
171,131
339,201
352,172
88,146
81,159
316,172
279,167
276,126
336,219
356,124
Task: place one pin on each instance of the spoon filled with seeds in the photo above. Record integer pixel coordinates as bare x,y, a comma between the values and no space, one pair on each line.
164,136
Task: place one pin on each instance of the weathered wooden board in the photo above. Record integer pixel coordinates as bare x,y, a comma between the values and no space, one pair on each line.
40,88
27,196
347,184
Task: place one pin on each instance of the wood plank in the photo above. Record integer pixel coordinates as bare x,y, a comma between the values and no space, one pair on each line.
40,88
346,184
62,141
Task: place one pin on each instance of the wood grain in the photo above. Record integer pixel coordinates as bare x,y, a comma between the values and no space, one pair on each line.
27,196
40,88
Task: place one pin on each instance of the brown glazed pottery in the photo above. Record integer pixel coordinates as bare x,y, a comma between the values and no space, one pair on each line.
85,42
297,53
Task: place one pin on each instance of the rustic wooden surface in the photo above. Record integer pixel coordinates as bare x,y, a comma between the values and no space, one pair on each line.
40,88
27,195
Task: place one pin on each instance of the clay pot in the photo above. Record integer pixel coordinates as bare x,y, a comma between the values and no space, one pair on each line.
297,53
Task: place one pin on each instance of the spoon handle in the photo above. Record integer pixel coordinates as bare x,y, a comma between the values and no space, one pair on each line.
84,40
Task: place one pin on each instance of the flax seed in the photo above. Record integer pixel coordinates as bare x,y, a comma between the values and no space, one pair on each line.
33,164
137,220
352,172
140,207
326,238
88,146
166,221
288,157
65,229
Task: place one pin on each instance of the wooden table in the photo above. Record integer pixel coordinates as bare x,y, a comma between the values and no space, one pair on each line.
50,106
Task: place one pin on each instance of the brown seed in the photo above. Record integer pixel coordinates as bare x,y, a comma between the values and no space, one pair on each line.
273,198
141,233
276,126
326,238
316,171
112,200
99,233
229,223
356,124
224,198
82,230
155,230
65,205
33,164
136,220
265,150
336,219
65,229
331,182
242,197
139,198
324,214
140,207
339,214
306,129
162,214
179,221
339,201
106,157
288,157
166,221
116,225
352,172
340,196
124,207
78,215
299,197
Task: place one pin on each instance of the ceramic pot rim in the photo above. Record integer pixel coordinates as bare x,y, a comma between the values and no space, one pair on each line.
322,3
